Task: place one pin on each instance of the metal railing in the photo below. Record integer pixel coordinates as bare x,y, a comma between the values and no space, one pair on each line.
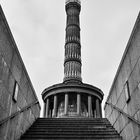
125,114
68,1
18,112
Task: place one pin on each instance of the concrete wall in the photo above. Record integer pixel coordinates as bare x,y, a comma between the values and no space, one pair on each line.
12,70
128,74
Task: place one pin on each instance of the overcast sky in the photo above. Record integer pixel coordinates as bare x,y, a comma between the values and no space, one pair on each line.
38,27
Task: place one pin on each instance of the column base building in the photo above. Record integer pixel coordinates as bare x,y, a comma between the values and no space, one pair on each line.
72,100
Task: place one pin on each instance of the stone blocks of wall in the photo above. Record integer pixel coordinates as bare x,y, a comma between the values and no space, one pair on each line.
128,72
12,70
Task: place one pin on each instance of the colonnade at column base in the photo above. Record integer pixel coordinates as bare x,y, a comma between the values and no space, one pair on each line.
72,100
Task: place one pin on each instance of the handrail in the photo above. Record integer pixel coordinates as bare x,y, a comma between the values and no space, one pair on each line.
18,112
125,114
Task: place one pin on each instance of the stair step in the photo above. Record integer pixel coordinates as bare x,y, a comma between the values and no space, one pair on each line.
74,125
74,131
71,123
71,120
71,128
72,137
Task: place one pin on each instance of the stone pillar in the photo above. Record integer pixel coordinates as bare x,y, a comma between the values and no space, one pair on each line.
95,113
47,108
66,103
55,106
89,105
98,113
44,111
78,104
100,110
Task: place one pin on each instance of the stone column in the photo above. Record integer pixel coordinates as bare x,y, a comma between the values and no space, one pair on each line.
66,103
44,111
95,113
89,105
47,108
55,106
100,110
78,104
98,113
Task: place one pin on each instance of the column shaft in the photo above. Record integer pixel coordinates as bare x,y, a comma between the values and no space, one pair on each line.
44,111
89,105
55,106
78,104
100,110
98,113
66,103
95,113
47,108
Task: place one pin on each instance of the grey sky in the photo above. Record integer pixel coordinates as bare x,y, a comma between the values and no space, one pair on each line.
38,27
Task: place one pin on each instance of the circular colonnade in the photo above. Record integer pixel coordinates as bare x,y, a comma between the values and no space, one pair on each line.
72,100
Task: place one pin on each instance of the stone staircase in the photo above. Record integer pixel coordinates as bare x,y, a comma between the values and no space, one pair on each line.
72,129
